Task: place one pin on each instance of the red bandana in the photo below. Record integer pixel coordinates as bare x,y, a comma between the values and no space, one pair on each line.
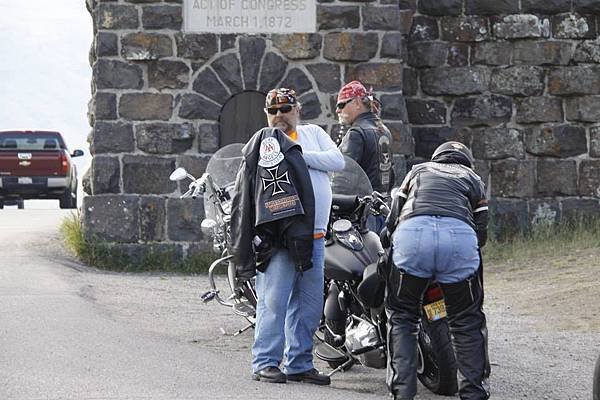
352,90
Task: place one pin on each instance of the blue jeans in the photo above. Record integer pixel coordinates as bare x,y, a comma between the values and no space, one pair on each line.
290,306
444,248
375,223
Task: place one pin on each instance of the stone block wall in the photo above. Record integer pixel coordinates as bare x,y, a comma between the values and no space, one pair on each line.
157,94
519,81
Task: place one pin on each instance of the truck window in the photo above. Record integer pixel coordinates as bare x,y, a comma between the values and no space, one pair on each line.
28,143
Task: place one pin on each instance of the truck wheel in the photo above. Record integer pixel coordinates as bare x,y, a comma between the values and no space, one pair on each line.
20,204
67,200
74,200
1,205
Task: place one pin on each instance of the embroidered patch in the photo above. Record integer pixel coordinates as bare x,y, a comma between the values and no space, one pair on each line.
275,180
270,153
282,205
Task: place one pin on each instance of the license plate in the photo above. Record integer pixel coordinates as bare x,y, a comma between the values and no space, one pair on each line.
435,310
25,181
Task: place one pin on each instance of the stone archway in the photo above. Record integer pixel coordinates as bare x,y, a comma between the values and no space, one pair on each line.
237,80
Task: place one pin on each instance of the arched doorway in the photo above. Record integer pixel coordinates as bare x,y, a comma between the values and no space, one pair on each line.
241,116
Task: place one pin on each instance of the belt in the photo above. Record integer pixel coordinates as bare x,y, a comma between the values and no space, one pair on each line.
319,235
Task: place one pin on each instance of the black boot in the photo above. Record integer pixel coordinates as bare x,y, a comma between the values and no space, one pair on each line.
469,336
270,374
311,376
403,303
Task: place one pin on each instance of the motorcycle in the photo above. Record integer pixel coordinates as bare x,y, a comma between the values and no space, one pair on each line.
354,323
217,185
354,327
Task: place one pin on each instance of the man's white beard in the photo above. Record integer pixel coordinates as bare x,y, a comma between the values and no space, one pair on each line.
342,121
284,126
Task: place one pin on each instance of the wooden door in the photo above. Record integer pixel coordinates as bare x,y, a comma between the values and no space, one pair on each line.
241,116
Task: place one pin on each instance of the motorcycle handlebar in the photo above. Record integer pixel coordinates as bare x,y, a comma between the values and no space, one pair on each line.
196,191
186,194
378,203
196,186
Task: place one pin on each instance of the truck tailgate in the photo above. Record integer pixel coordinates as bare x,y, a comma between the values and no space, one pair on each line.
30,163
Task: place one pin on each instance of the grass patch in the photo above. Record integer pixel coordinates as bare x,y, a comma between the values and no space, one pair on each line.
72,233
546,241
129,257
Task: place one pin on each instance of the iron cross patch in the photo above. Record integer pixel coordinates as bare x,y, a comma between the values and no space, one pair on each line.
275,180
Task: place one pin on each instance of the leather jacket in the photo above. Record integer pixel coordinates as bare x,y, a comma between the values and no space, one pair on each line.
443,188
273,204
369,142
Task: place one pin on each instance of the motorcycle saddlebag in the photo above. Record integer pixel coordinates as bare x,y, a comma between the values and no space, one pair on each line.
371,290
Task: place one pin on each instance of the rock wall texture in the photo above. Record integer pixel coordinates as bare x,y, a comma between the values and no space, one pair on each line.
157,94
517,80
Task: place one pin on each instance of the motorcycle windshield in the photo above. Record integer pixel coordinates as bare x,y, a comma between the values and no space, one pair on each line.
352,180
223,167
224,164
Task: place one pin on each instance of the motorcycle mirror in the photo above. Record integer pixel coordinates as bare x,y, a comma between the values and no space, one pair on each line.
207,226
178,174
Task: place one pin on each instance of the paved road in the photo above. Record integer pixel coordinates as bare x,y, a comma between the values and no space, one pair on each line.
68,332
71,332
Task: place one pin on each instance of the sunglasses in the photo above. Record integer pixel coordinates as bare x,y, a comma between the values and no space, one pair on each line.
286,108
340,106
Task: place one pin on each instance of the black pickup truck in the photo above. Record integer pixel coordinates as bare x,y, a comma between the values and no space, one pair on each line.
36,165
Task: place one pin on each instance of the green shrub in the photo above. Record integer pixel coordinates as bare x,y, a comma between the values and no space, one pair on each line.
121,258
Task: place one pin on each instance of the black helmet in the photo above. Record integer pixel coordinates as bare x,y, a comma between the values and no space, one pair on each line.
454,150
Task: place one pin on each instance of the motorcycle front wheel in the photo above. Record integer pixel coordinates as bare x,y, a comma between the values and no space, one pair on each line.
437,364
597,380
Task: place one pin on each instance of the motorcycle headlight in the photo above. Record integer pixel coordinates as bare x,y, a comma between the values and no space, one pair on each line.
208,227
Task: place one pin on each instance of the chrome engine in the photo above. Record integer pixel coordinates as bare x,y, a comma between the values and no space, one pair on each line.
362,334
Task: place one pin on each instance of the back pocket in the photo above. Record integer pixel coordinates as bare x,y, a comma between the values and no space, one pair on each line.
407,241
464,243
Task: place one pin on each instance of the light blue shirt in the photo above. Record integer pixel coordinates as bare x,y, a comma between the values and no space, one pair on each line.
321,156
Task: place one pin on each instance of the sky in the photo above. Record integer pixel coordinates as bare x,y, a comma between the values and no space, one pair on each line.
44,69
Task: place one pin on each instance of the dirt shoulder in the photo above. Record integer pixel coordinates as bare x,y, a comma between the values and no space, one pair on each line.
561,291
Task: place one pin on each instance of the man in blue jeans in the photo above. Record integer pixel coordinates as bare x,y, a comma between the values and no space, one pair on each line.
290,302
441,217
